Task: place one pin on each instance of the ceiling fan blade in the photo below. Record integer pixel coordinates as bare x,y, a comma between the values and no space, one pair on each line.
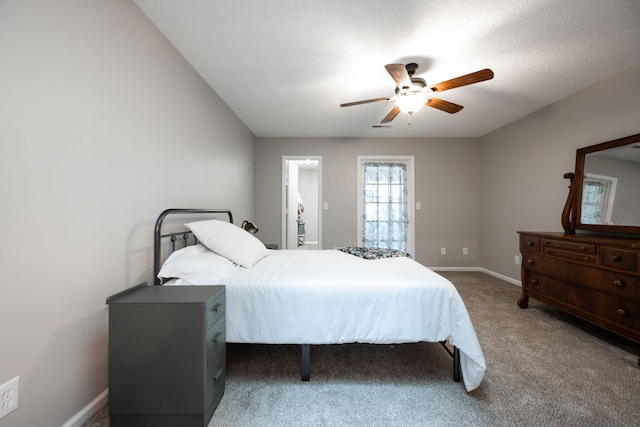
392,115
467,79
366,101
399,75
446,106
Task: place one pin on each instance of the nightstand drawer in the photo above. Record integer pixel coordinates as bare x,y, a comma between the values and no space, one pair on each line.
216,342
216,376
215,309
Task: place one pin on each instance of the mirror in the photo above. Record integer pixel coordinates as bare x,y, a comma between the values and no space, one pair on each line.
302,193
607,187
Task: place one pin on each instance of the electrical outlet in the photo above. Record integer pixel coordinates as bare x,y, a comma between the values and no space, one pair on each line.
465,251
443,251
517,260
9,393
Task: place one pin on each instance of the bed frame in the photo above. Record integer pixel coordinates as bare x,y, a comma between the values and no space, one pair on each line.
187,238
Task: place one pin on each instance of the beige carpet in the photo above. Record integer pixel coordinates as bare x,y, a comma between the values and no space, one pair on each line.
544,368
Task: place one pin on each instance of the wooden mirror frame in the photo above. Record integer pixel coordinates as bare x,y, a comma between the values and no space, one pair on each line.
571,212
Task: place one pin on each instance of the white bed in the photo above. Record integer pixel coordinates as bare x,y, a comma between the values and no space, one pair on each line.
328,297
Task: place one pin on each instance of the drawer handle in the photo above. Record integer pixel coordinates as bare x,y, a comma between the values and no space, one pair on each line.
530,261
615,258
529,243
218,335
622,312
586,258
218,374
534,281
547,251
584,248
216,307
618,283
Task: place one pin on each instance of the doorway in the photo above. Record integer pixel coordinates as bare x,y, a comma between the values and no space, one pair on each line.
301,201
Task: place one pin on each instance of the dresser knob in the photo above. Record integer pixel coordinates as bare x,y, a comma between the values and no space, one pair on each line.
530,261
622,311
615,258
534,281
584,248
529,243
547,251
618,283
586,258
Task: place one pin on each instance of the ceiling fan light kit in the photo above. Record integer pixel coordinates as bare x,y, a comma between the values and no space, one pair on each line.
412,93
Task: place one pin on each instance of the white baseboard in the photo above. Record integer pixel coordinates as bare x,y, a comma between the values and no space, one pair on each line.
480,269
85,413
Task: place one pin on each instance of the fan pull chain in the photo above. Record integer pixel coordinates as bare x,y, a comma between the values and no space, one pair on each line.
409,122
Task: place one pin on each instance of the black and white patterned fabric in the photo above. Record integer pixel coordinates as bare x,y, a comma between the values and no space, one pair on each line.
373,253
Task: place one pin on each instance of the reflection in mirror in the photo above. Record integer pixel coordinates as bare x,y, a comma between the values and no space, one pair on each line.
301,213
609,193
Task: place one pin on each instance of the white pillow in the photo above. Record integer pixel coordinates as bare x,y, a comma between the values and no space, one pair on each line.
197,265
230,241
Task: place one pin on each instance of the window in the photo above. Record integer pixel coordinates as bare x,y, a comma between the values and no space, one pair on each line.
385,201
598,194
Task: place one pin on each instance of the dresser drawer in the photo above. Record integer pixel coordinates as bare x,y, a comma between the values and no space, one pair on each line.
616,310
529,243
580,248
620,285
569,250
619,259
619,311
571,256
547,286
550,267
215,309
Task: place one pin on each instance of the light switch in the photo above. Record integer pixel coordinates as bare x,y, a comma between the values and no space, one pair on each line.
325,206
418,206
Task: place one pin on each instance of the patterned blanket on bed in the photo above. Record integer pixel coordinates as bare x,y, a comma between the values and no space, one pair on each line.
373,253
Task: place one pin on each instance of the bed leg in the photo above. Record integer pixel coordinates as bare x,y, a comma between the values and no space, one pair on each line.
456,364
306,362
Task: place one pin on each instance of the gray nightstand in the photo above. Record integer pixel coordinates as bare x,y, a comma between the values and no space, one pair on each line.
167,355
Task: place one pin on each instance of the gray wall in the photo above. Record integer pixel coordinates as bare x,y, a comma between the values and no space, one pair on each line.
475,192
447,185
102,126
523,163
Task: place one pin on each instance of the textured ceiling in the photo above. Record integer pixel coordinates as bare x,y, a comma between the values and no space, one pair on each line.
285,66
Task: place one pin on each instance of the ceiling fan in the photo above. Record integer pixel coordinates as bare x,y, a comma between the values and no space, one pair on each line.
412,92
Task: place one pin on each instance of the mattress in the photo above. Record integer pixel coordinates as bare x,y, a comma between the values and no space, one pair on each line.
331,297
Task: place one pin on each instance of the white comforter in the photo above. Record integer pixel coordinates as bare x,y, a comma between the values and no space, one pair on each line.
329,297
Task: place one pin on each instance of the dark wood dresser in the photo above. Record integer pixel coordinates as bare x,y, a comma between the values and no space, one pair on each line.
594,277
167,355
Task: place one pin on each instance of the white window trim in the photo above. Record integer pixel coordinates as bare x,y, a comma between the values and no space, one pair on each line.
411,227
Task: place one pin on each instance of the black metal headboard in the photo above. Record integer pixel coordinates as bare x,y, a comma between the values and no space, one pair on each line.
158,236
